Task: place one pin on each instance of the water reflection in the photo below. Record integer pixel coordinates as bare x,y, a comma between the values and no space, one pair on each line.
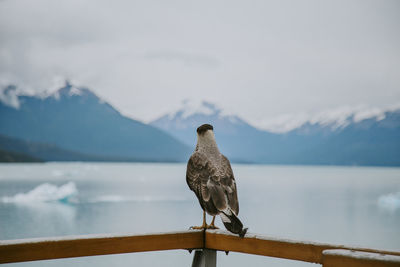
36,219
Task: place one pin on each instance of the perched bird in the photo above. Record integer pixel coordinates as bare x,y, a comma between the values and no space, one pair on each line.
209,175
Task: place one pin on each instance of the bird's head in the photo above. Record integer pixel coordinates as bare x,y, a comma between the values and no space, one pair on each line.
203,129
205,136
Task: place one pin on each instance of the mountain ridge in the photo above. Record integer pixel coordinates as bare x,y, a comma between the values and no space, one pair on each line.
371,140
76,119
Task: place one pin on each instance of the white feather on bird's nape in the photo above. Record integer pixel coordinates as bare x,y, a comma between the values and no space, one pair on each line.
207,144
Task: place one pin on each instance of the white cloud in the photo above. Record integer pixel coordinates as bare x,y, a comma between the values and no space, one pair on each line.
377,113
189,60
258,60
9,96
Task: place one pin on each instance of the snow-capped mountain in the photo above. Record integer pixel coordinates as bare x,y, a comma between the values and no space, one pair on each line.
330,120
354,136
236,138
183,122
78,120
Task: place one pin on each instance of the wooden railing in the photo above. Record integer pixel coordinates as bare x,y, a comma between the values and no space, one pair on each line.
92,245
211,240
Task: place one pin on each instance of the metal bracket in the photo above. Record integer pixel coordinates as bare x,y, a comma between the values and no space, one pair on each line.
205,258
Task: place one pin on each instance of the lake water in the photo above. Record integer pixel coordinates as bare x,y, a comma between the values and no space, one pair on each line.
357,206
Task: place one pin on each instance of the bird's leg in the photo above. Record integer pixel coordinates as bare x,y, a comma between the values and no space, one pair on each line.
212,225
204,225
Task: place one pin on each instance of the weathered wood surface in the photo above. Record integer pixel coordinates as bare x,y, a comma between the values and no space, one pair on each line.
274,247
91,245
78,246
351,258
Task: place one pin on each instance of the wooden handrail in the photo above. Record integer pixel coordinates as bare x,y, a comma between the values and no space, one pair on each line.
275,247
344,257
91,245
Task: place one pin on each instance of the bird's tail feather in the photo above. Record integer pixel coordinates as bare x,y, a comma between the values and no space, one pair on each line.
232,223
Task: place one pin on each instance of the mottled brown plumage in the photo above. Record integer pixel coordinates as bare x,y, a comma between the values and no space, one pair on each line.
209,175
215,188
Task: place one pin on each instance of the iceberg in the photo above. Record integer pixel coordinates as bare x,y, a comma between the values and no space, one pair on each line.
46,192
390,202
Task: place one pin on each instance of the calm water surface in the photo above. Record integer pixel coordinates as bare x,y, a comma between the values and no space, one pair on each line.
358,206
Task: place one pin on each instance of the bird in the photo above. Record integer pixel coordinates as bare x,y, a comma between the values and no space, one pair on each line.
209,175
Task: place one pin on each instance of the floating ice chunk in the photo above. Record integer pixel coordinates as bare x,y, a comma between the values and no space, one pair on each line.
46,193
119,198
390,201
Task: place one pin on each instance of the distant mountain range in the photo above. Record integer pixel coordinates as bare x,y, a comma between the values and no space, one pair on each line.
371,140
45,152
11,157
74,124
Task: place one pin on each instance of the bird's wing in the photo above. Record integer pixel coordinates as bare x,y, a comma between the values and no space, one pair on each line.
214,187
229,184
203,177
197,175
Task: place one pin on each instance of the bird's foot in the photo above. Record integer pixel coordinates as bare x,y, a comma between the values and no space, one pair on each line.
202,227
212,226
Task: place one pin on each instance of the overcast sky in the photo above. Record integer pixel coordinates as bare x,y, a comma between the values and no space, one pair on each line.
257,59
